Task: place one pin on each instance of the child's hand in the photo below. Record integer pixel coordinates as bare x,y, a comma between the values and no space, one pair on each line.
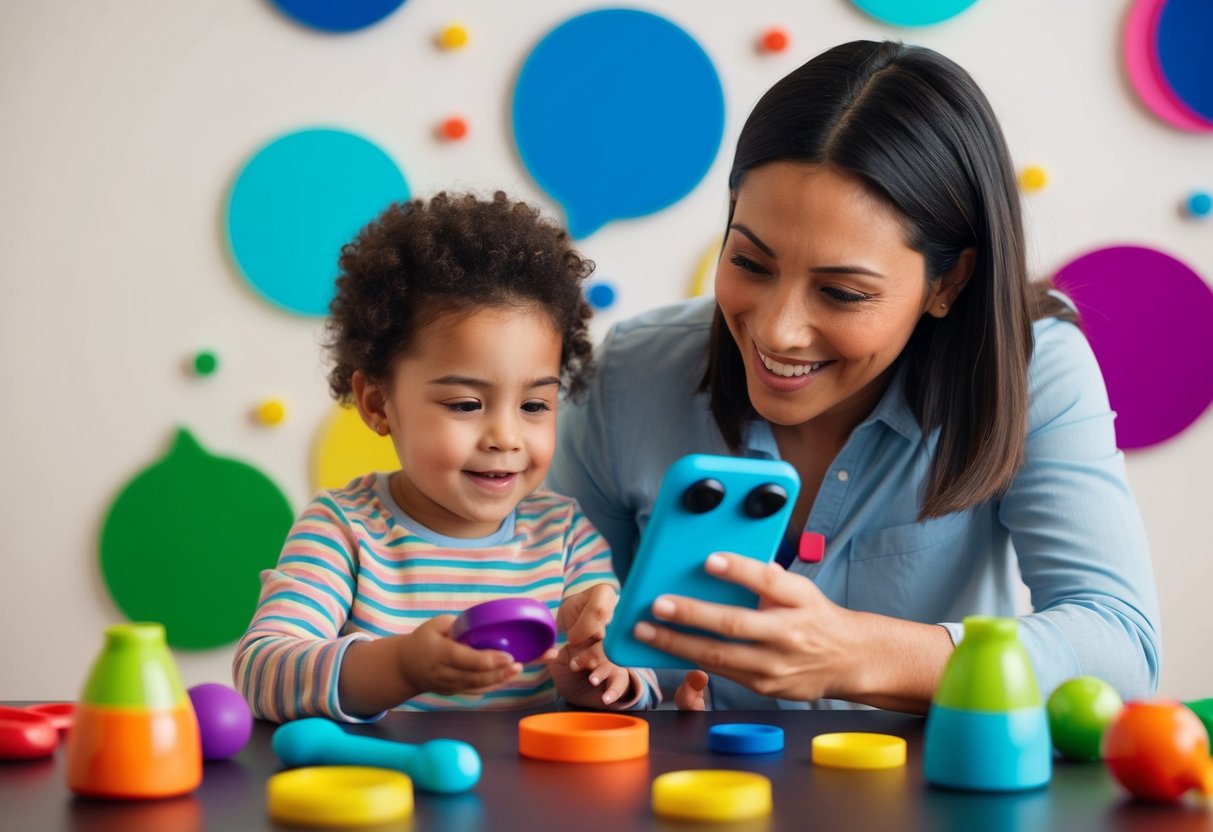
690,694
601,684
584,617
433,662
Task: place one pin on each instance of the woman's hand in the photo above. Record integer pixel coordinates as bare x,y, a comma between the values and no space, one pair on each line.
799,642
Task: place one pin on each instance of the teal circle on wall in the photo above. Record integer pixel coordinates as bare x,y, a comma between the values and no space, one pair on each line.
297,202
913,12
339,16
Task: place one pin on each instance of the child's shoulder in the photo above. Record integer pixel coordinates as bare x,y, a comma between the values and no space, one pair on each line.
545,507
357,500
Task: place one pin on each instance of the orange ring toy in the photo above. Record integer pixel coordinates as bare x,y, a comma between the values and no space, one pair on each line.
583,737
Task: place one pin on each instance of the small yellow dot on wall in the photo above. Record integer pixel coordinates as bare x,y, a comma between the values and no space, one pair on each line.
453,37
1033,178
270,412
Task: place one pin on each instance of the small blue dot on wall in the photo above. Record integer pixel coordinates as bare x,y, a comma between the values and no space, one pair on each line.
297,202
601,295
646,126
338,15
913,12
1199,204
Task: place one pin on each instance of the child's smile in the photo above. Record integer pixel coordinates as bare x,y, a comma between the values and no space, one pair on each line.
472,412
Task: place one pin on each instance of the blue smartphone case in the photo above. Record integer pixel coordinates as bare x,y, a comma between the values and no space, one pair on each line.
683,530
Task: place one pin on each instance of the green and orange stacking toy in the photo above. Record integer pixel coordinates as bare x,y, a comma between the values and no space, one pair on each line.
987,729
135,734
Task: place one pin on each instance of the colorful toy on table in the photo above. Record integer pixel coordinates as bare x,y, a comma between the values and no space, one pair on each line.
711,795
225,722
583,737
745,738
442,766
339,796
1080,711
134,734
60,714
522,627
1159,751
986,728
25,735
859,750
1203,708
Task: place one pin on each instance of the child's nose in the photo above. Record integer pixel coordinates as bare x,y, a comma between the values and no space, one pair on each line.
502,434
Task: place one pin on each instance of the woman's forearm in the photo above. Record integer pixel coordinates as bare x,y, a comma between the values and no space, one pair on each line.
898,664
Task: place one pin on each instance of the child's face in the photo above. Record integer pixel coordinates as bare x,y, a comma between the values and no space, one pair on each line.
472,411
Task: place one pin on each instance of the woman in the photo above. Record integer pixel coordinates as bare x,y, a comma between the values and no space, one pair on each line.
874,326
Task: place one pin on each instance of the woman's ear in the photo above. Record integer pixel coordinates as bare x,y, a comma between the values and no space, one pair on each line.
371,403
947,289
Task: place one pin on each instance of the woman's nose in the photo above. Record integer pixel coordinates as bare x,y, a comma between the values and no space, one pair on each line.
786,323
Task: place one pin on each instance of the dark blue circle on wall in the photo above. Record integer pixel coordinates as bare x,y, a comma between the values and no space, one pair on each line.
1185,35
338,15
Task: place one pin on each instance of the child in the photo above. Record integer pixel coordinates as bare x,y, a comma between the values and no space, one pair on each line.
453,325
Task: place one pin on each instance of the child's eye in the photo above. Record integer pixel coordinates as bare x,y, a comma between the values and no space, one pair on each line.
746,264
843,296
535,407
469,406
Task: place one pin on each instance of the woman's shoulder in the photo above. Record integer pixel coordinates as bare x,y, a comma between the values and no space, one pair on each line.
1063,373
667,326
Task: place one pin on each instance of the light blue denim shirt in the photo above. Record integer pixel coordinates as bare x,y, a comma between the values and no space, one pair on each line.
1068,524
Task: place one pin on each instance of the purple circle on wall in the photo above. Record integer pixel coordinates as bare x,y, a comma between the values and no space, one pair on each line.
1149,319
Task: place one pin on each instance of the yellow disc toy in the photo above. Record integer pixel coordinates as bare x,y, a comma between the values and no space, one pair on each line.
339,796
712,795
859,750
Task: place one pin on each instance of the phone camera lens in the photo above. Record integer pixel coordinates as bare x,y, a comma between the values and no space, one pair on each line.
765,500
703,496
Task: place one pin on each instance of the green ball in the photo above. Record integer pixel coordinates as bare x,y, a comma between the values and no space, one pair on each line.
1080,710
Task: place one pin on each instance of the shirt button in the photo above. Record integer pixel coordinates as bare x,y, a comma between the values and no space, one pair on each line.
843,476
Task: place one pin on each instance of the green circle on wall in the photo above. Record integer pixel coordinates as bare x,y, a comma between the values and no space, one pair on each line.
185,541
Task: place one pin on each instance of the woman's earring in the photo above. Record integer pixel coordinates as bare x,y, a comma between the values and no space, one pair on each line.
943,306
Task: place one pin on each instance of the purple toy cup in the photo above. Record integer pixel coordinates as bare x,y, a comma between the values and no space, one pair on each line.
520,626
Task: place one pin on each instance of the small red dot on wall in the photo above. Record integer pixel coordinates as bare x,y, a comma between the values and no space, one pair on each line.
453,129
773,40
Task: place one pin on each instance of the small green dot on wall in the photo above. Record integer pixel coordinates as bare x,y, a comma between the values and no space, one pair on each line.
205,363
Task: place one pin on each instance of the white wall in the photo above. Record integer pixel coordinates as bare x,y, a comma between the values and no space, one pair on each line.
125,120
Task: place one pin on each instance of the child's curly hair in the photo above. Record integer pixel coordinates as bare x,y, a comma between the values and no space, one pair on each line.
419,259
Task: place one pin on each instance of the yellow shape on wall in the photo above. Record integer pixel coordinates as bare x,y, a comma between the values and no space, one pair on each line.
346,449
704,280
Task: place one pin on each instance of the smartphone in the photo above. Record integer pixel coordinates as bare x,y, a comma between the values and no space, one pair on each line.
706,504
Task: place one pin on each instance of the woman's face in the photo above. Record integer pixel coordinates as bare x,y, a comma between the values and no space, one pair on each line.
820,292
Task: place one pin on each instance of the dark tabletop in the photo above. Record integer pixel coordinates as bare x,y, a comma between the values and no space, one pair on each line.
516,793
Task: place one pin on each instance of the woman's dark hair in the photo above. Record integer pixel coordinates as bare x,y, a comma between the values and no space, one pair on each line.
915,128
419,260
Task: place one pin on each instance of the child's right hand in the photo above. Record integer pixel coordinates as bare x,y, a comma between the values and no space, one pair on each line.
433,662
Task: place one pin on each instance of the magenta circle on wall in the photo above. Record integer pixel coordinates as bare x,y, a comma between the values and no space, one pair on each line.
1149,319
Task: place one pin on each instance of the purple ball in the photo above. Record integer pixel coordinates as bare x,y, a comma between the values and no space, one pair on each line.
224,720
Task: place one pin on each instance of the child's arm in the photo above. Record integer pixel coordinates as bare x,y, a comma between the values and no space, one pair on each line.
582,673
381,673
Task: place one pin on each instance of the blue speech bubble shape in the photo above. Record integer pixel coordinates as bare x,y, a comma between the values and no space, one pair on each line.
342,16
913,12
297,202
617,113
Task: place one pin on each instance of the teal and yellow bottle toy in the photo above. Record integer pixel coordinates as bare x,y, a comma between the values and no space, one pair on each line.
987,729
135,734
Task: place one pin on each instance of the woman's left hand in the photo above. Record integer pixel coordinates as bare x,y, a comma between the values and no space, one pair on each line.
799,644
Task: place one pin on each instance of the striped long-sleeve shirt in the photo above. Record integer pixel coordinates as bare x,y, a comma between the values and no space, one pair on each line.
354,566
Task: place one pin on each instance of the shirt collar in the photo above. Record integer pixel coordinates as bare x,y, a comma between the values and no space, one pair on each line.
758,441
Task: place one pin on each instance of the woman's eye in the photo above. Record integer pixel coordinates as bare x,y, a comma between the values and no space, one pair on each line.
463,407
746,264
535,407
843,296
